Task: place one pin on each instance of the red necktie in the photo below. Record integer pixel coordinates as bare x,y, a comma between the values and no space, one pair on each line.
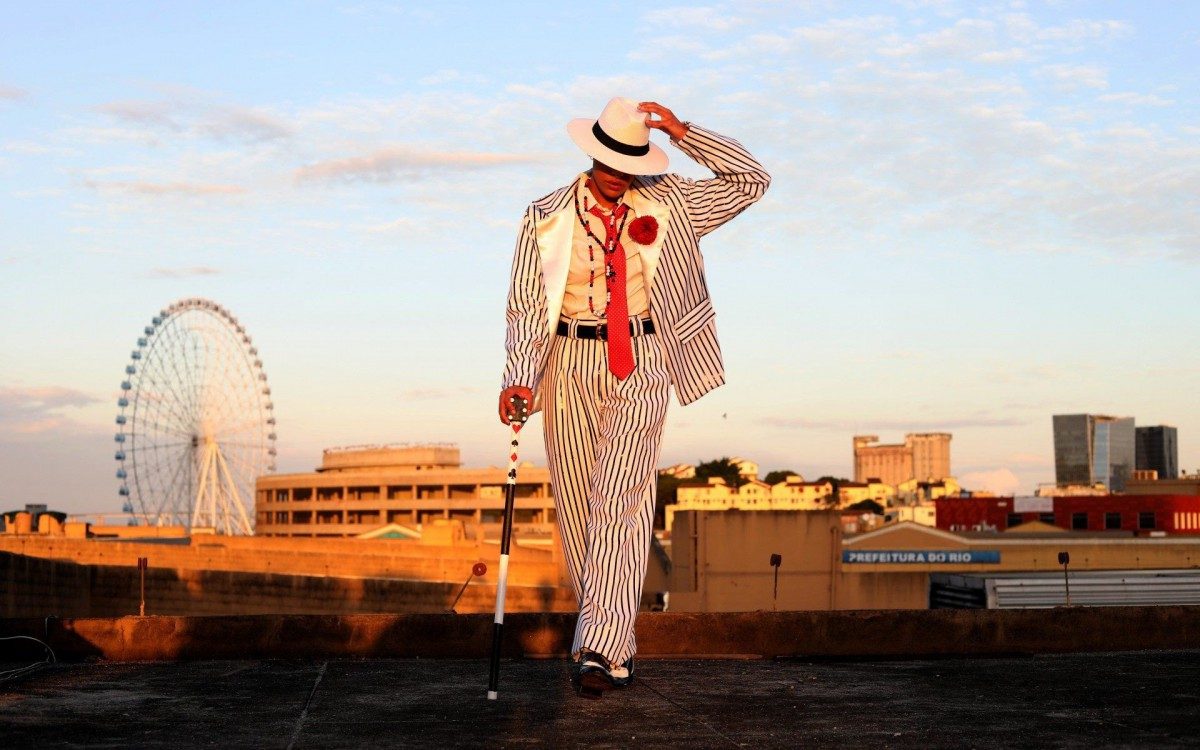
620,349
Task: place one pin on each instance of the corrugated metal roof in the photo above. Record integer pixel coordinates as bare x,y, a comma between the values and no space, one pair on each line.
1092,588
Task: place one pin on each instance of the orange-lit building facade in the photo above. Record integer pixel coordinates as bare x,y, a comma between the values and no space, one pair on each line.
1142,514
358,490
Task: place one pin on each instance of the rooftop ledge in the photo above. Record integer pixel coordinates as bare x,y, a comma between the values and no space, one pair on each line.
818,634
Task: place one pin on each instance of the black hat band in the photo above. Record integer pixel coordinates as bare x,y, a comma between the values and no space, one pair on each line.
621,148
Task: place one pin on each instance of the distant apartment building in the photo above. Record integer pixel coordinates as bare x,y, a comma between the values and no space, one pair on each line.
361,489
924,456
1092,449
679,471
792,493
1157,449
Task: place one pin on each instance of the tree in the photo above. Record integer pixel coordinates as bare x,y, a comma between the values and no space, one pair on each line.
837,483
665,493
867,505
777,476
723,468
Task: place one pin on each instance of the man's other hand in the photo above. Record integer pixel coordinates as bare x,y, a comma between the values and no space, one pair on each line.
508,409
666,122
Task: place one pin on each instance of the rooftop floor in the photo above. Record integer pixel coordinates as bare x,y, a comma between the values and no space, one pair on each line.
1145,698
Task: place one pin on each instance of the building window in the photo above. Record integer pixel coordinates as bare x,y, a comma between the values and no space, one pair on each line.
1079,521
1112,521
1014,519
1047,518
1146,520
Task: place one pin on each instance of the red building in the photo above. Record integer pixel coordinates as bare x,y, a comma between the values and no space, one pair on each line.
1170,514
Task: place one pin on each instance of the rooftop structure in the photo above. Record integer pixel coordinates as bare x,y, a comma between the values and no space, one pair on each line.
359,489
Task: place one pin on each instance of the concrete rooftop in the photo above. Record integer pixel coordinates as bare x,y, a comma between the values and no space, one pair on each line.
1130,699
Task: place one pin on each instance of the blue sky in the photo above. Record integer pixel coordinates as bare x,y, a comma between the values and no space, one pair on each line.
982,214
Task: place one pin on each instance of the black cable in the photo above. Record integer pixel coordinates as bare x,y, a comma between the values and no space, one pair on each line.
13,674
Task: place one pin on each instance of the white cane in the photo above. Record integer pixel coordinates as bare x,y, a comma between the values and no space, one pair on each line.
516,421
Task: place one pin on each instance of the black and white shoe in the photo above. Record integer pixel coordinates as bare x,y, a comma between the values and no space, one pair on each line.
596,674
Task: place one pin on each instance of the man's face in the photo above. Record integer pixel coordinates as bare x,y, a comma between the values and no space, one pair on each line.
609,182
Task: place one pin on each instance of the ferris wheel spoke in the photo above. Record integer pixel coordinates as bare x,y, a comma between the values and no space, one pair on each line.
172,347
146,426
252,426
152,405
168,399
156,494
248,468
184,376
159,446
166,345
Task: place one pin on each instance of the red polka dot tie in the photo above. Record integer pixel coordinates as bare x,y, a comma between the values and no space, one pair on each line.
620,348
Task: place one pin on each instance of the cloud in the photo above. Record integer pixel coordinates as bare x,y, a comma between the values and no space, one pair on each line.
141,112
712,19
449,76
191,112
435,394
33,148
388,227
1134,99
880,425
182,273
1001,481
1031,460
35,410
399,163
12,93
191,189
245,124
1071,77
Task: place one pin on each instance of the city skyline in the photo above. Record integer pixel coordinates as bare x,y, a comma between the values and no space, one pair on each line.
982,214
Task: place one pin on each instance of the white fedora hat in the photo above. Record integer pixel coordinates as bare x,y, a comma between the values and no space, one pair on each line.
620,139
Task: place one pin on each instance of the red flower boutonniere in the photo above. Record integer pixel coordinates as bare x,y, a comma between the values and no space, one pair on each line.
643,230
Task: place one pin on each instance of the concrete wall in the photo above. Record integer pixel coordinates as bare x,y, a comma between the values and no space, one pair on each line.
722,564
38,587
314,557
905,634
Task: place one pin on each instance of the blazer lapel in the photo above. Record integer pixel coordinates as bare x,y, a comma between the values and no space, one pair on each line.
554,244
555,231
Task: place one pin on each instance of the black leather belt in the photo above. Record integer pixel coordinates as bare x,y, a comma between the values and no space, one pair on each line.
600,331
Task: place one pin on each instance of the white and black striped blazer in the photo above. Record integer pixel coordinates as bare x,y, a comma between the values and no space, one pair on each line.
686,210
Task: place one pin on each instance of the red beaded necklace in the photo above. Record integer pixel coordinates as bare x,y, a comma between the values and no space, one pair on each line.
608,247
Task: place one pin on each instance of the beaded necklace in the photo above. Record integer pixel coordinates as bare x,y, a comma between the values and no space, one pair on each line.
608,248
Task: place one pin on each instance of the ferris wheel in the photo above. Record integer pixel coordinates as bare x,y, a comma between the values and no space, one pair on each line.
196,426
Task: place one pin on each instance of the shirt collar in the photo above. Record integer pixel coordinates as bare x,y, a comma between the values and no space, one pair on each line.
582,192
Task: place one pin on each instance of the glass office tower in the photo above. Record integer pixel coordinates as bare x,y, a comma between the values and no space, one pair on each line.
1092,448
1158,449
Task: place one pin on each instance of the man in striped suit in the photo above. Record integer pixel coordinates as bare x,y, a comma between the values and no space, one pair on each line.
607,310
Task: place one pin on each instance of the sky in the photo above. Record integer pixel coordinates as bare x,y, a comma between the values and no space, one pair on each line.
981,215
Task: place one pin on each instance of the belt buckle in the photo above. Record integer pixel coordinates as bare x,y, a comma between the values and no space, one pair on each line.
602,332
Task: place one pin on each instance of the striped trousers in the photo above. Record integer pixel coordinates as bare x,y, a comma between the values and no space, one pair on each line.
602,442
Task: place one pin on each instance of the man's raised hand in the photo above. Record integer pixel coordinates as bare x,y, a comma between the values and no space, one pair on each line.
666,122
